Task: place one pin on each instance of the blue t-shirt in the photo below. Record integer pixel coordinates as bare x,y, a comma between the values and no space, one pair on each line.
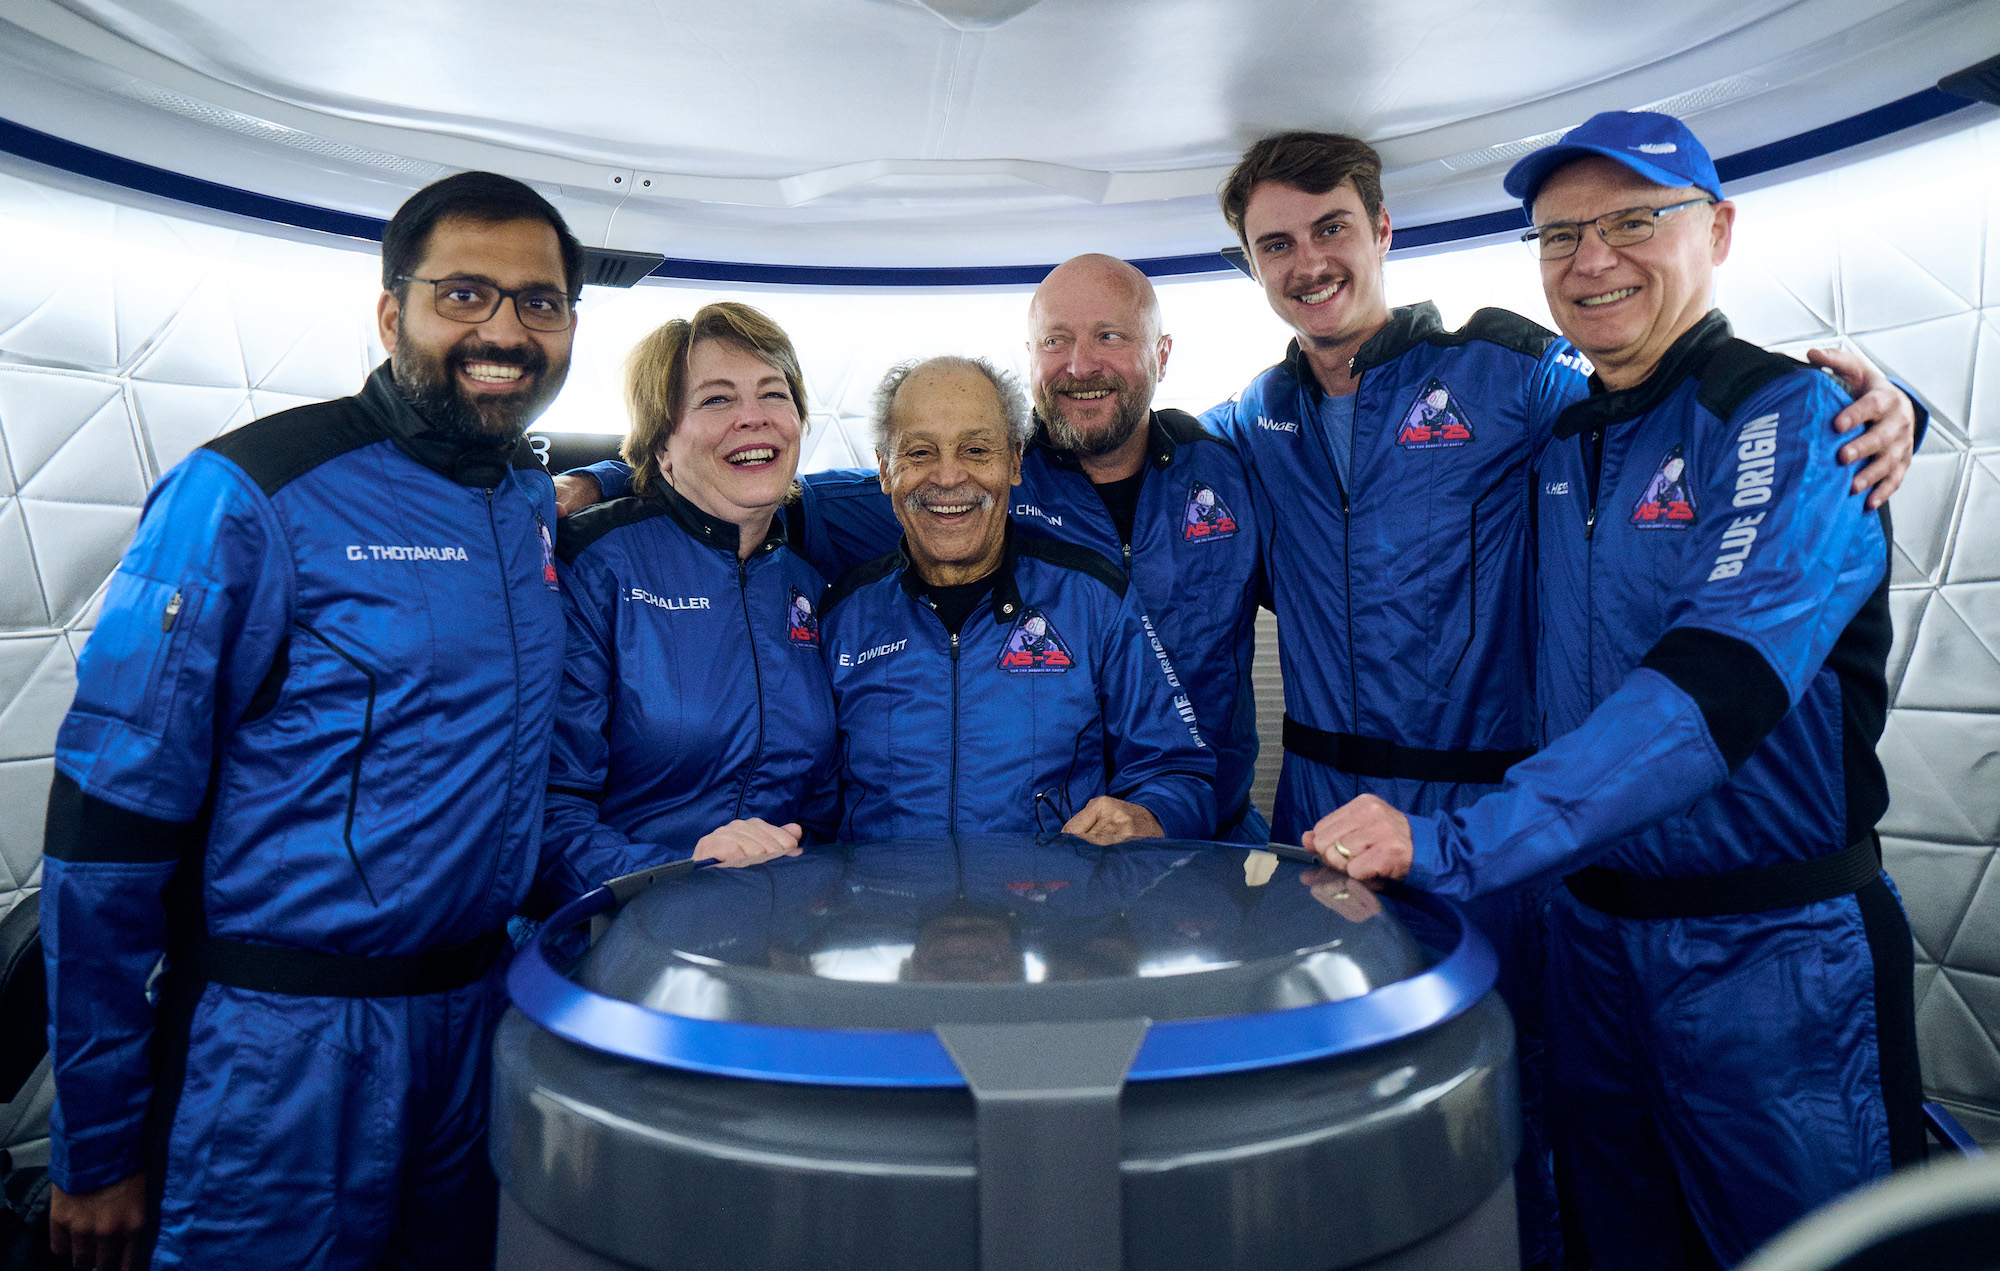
1336,415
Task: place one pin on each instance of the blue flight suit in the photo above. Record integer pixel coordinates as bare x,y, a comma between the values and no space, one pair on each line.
303,774
1735,1031
1056,690
693,691
1193,558
1405,610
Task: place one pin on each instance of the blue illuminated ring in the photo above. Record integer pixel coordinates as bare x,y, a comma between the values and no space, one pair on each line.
906,1058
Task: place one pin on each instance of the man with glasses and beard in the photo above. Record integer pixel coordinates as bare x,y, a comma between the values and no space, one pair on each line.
1151,490
299,792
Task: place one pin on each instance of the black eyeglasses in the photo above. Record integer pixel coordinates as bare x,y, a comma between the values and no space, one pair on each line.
470,300
1558,240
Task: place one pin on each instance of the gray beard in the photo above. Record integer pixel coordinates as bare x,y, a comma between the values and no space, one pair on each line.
1091,446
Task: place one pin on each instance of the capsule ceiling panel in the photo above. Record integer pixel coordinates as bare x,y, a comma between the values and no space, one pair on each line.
948,133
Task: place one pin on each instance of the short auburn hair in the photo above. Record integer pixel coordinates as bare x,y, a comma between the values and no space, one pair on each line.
1315,162
656,375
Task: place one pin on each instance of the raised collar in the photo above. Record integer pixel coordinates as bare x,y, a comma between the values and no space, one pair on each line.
1166,432
713,531
1684,357
484,464
1407,327
1006,596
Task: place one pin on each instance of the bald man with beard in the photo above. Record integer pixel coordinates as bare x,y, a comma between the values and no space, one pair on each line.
1152,490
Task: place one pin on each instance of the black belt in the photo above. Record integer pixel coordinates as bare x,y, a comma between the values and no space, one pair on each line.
1227,826
310,973
1380,757
1742,891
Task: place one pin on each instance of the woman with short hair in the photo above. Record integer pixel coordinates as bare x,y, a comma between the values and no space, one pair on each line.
696,718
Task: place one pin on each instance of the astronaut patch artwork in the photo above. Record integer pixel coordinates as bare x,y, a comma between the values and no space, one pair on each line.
1206,517
1434,421
1668,503
803,624
1033,647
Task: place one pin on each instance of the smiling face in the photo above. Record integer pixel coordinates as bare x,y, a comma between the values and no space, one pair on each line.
735,447
485,379
1319,260
1095,347
948,465
1625,306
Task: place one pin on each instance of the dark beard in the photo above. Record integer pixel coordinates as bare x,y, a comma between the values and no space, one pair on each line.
1132,412
430,385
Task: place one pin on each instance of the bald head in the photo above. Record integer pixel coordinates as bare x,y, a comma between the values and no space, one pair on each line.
1095,346
1099,282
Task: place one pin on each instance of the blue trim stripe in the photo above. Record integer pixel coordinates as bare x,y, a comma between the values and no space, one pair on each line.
41,147
900,1058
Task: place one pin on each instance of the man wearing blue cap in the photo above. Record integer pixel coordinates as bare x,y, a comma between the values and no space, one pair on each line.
1736,1042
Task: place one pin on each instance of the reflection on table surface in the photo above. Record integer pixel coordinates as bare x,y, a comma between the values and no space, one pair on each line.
1007,909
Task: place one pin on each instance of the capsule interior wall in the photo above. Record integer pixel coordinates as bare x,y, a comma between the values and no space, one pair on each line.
127,338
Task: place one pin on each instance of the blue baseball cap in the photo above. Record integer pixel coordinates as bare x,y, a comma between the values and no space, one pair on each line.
1657,147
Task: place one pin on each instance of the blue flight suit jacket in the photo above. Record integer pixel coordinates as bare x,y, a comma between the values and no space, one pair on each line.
693,691
1056,690
1715,625
321,690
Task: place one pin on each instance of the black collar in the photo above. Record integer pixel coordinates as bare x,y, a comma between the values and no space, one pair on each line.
480,463
1006,596
1407,327
1686,356
1166,432
713,531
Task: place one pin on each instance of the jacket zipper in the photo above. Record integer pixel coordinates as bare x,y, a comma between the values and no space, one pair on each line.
750,632
953,821
1347,558
514,644
1593,458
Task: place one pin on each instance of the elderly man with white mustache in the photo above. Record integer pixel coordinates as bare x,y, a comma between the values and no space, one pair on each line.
989,681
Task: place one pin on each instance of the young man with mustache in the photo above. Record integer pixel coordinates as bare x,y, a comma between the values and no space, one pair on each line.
1735,1043
985,681
299,792
1391,458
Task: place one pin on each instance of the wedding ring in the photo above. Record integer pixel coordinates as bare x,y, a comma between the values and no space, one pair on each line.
1344,853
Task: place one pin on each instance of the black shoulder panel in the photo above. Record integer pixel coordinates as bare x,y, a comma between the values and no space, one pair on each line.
1500,326
855,579
1073,556
1181,427
1740,696
1736,371
580,529
281,448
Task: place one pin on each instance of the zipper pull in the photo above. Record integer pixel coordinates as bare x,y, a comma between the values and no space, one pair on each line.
954,646
172,611
1128,557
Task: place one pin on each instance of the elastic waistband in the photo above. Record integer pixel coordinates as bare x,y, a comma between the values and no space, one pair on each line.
1380,757
309,973
1742,891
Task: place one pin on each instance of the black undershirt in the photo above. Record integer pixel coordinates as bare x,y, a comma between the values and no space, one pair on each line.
1121,499
955,604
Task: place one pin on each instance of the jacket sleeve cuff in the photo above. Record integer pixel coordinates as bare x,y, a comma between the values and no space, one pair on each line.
1426,870
85,1161
614,479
